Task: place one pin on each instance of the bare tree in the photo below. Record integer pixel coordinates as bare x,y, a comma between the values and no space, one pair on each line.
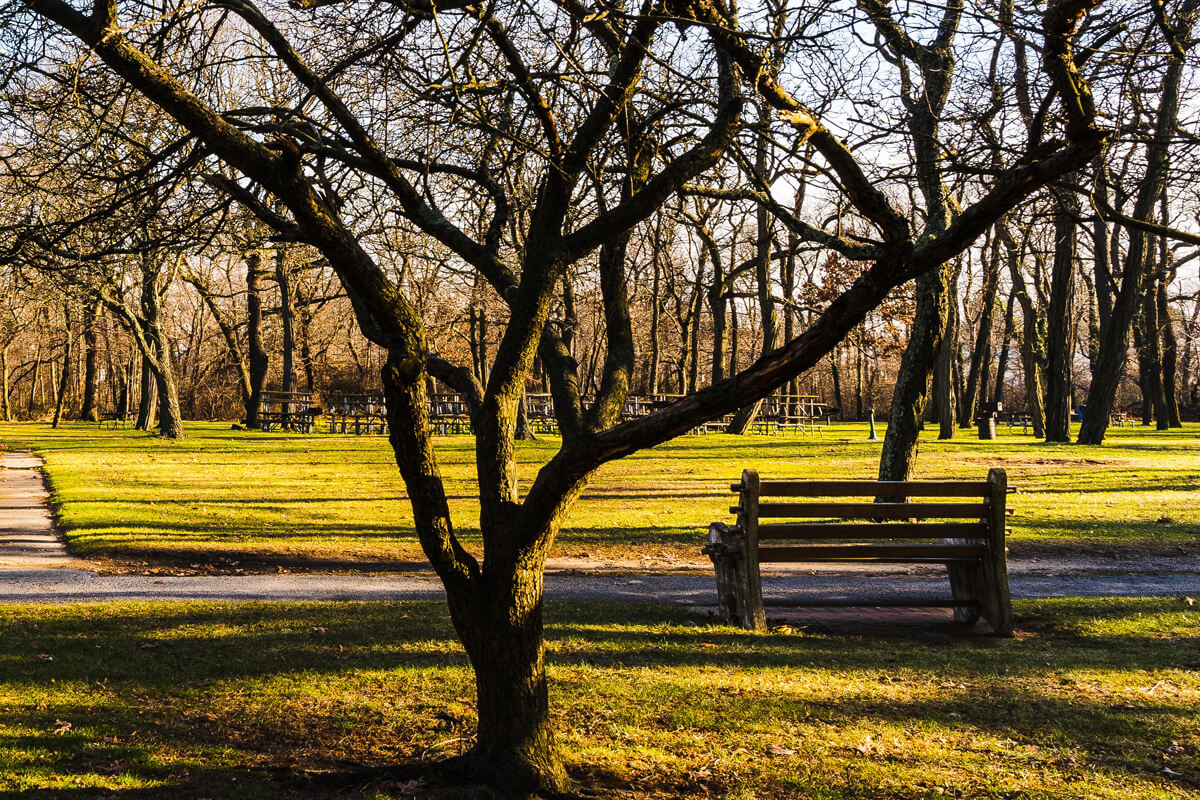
569,87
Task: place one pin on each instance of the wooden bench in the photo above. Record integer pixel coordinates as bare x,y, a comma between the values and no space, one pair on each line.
828,521
115,420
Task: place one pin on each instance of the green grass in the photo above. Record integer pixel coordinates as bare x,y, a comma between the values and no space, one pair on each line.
224,495
1094,698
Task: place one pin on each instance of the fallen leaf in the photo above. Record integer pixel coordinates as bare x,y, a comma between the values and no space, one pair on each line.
147,645
320,629
1189,601
61,727
45,657
780,750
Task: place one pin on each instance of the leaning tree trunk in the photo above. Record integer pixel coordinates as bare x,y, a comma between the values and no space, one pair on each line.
916,367
170,419
147,397
1059,341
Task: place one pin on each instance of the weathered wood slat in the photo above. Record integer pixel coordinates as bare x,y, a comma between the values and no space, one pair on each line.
873,510
869,530
871,488
855,552
965,520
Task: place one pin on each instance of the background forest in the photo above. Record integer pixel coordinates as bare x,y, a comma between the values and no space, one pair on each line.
132,277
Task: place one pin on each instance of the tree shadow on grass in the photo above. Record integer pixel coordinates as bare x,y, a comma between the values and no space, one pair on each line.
244,700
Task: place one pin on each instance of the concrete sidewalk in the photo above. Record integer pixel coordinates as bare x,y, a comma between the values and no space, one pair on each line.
35,568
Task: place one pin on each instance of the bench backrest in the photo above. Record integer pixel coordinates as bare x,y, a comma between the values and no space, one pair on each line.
970,513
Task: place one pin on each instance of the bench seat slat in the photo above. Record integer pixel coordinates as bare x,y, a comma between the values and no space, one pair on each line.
870,530
873,510
871,488
877,552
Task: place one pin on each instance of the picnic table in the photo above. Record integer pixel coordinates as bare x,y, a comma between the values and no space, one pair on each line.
292,411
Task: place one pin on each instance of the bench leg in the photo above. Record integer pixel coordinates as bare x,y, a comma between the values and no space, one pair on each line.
966,584
737,599
722,549
995,597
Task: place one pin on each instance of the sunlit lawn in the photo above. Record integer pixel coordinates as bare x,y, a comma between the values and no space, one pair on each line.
1094,698
237,496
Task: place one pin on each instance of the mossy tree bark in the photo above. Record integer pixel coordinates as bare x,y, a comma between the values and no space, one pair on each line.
912,381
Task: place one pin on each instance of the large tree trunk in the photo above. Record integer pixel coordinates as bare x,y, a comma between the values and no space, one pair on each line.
287,317
147,397
916,367
88,411
1005,351
259,361
5,399
503,637
35,379
655,315
1150,354
1059,342
64,377
1170,357
170,418
943,370
158,357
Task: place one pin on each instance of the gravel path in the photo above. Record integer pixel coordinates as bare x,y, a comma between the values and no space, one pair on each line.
34,568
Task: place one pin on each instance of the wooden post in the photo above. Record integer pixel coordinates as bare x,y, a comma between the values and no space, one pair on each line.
754,616
995,598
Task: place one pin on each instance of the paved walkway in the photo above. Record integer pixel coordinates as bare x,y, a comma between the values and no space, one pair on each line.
27,537
34,568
